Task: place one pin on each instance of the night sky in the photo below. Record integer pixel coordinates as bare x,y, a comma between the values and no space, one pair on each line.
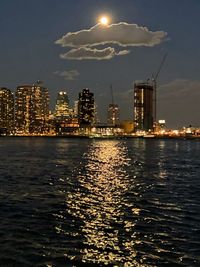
32,47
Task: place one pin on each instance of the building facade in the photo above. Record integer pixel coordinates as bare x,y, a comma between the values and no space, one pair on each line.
86,107
31,109
143,106
6,110
62,105
113,114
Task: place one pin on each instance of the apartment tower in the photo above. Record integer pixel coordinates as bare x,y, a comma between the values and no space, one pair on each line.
31,109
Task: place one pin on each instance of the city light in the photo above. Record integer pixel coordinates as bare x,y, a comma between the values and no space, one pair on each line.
26,113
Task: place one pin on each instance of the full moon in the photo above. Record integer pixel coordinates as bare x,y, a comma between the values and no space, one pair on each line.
104,20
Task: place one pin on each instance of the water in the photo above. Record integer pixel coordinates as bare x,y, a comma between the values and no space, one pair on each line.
81,202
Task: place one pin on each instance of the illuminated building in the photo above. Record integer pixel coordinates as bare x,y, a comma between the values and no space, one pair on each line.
31,109
113,114
161,125
127,126
6,110
86,107
143,106
76,108
69,126
62,105
96,119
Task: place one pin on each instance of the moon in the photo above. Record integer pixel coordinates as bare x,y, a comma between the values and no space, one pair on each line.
104,20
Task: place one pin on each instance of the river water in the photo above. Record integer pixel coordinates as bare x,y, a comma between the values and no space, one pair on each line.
84,202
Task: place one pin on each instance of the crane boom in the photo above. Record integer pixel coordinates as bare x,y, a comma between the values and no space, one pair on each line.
160,67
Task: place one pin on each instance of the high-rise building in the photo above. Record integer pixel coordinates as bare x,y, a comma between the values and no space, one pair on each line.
31,109
62,105
6,110
113,114
86,107
143,106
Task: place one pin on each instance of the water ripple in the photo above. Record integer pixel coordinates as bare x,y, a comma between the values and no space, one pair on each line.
95,203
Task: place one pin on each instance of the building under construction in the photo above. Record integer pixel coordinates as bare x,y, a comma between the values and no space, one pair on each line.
145,102
113,114
143,106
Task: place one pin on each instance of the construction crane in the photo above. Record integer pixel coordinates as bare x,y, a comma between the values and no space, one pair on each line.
154,80
112,96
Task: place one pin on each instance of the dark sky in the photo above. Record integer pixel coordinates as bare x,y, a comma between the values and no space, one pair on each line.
28,52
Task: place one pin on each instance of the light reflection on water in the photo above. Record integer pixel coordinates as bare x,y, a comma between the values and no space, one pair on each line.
122,219
101,205
93,203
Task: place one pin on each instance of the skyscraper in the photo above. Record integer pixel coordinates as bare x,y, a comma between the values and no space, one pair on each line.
113,114
86,107
6,110
143,106
62,105
31,109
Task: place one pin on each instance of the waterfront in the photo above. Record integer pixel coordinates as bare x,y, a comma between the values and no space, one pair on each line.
82,202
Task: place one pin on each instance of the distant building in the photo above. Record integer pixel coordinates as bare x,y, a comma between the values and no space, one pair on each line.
76,108
86,108
31,109
143,106
96,118
127,126
6,110
113,114
67,126
62,105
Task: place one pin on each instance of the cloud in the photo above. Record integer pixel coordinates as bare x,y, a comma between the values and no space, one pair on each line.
92,53
179,88
68,75
178,102
84,42
126,95
122,34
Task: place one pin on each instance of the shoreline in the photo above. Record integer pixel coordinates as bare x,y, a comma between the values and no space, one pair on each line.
104,137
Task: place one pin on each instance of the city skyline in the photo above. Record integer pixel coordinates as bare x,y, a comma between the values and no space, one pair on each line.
29,52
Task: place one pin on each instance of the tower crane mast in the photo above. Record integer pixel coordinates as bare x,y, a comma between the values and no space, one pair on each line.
154,80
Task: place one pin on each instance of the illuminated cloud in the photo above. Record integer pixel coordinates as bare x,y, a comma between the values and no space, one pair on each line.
92,53
122,34
68,75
